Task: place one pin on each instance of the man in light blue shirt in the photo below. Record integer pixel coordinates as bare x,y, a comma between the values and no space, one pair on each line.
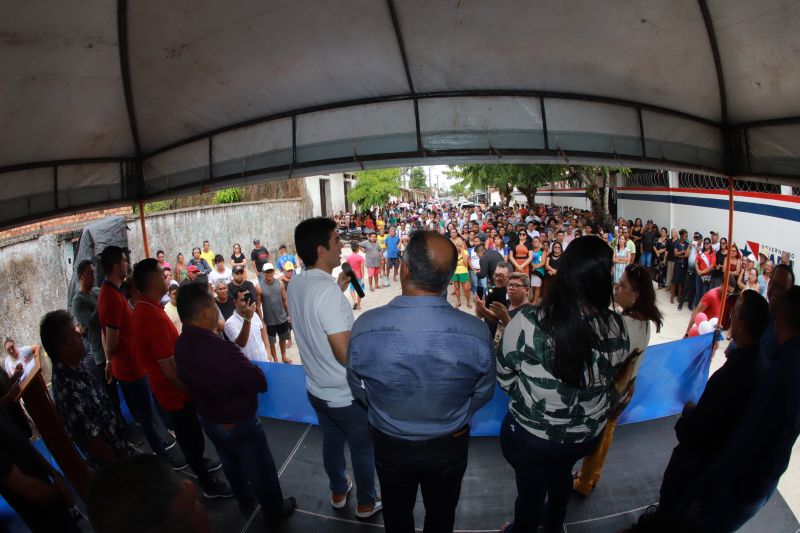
423,368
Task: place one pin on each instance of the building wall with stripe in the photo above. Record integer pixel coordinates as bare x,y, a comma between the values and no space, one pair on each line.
770,221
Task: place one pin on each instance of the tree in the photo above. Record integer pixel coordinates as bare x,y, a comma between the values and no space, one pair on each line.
374,187
417,179
595,179
526,178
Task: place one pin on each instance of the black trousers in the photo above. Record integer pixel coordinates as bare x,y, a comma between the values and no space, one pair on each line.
189,434
436,465
689,289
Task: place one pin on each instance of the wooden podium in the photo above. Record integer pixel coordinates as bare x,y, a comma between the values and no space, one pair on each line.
41,409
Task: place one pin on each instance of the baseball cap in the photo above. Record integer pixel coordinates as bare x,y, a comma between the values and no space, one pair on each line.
713,232
238,268
193,268
256,241
268,266
288,266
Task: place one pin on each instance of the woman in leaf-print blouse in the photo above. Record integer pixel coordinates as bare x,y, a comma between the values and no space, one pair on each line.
557,361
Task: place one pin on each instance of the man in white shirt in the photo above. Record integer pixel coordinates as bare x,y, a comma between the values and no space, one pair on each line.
474,215
246,329
220,272
321,318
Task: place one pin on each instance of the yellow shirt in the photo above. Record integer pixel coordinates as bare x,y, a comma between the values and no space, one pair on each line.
381,224
461,265
382,241
209,257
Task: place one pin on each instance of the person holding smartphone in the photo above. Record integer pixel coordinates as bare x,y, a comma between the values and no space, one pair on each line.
246,329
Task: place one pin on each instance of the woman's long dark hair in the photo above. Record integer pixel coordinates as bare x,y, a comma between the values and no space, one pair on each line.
581,290
645,307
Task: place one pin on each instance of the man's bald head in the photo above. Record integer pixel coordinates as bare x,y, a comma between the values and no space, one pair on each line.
431,261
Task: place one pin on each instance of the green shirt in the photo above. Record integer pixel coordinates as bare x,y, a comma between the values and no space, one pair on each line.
540,402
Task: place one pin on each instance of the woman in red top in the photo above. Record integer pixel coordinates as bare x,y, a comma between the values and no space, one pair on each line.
705,265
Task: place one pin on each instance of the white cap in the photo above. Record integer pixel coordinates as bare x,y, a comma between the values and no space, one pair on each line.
268,266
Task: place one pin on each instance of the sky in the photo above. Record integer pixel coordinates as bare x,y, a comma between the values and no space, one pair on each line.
438,170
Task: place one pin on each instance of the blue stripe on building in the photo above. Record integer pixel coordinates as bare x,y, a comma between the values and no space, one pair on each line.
772,211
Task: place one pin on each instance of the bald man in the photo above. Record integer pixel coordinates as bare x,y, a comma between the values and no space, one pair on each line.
423,390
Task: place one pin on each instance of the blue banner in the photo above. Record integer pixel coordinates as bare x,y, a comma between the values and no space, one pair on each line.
671,374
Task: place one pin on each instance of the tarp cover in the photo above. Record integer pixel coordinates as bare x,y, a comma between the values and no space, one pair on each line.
106,102
111,231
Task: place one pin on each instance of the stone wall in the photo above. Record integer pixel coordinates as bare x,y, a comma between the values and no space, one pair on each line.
36,268
272,221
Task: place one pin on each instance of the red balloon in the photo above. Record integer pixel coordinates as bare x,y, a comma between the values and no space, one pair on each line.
700,318
694,332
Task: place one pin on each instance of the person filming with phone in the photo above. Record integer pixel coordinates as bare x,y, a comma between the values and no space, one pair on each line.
246,329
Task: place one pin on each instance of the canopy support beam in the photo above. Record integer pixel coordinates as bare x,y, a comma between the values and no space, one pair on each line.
122,45
145,245
401,45
728,151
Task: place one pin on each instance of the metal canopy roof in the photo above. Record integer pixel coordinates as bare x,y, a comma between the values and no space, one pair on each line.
109,102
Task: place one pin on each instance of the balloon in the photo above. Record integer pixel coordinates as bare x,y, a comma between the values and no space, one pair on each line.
714,321
705,327
694,332
700,317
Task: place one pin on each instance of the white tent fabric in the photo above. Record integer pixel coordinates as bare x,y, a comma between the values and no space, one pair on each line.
108,102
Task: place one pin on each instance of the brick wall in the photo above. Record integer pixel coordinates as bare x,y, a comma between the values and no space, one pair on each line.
77,220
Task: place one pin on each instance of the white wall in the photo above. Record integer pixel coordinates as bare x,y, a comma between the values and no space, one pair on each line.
337,202
776,227
575,198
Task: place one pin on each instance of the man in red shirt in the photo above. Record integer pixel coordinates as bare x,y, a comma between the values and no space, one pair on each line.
154,337
114,314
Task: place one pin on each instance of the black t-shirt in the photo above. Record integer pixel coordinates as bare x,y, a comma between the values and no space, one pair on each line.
717,273
16,450
238,259
245,285
260,256
648,238
226,308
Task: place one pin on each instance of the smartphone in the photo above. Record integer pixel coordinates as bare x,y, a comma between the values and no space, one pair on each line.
479,291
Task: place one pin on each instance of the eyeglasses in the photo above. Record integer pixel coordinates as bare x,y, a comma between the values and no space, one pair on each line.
516,285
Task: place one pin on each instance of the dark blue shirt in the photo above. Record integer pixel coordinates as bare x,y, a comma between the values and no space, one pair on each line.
422,366
760,448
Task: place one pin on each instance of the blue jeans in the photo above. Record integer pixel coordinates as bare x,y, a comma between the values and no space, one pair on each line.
347,424
137,396
474,282
727,513
700,289
248,464
543,471
647,259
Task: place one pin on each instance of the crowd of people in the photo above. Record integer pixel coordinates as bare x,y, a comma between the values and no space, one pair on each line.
564,309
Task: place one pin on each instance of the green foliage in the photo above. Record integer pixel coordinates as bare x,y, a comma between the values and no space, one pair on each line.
459,189
155,207
228,196
526,178
374,187
417,178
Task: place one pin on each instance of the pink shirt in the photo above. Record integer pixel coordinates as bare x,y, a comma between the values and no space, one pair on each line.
357,262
